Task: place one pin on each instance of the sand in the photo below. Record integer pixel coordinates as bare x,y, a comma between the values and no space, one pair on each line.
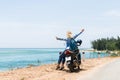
48,72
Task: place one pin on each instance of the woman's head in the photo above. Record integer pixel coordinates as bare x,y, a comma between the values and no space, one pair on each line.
69,34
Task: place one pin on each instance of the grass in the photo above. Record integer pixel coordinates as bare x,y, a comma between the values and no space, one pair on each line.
114,55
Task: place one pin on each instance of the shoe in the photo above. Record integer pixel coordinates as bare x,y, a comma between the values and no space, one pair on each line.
61,68
57,67
79,61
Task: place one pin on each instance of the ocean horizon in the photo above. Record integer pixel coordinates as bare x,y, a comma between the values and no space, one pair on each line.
13,58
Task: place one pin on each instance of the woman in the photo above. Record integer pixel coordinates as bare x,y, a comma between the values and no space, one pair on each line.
70,42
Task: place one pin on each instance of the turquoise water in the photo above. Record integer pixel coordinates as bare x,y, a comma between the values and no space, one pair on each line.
11,58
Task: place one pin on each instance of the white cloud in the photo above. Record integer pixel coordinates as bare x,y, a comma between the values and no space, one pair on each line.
113,13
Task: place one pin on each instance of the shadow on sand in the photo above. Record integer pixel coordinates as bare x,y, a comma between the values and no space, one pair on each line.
75,71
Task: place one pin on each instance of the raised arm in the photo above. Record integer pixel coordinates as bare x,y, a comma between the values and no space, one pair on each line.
78,34
61,39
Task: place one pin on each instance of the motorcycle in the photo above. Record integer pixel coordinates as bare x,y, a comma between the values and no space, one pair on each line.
72,61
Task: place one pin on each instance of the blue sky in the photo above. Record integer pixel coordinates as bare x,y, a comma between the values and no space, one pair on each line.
35,23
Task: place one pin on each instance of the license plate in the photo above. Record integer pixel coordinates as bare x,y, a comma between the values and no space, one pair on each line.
68,58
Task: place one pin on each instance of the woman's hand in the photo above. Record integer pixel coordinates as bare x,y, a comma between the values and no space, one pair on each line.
57,38
82,30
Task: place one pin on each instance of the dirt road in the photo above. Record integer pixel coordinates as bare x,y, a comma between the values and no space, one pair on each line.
110,71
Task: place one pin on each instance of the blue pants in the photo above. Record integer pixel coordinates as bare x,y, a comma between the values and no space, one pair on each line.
61,58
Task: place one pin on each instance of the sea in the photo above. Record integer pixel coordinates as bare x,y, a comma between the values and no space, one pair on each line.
14,58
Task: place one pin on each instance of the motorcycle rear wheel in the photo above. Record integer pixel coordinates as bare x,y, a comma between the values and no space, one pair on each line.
71,68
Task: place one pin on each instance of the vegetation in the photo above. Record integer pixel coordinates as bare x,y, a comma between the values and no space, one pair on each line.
106,44
114,55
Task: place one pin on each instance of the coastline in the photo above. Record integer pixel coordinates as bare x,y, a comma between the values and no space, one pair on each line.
48,72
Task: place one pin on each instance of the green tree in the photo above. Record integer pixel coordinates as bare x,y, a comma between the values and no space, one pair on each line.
118,43
106,43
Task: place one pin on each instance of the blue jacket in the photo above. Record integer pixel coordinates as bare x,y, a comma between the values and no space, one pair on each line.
70,42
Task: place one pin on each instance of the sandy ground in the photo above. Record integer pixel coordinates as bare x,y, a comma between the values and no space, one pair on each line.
48,72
